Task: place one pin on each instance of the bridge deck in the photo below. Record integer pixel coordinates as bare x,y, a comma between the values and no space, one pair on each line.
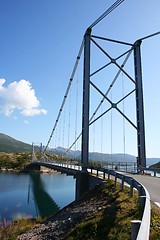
152,184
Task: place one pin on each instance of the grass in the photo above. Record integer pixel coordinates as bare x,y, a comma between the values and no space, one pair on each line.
10,231
155,223
112,220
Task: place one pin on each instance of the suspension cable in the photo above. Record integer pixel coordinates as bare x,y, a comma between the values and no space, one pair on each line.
64,113
151,35
124,135
94,137
111,130
101,136
107,12
76,119
69,115
59,133
66,93
105,95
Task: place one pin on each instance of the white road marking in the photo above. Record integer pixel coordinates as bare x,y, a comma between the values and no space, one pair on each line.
158,204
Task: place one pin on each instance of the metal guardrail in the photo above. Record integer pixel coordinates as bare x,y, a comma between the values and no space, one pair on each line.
117,166
154,170
145,223
140,229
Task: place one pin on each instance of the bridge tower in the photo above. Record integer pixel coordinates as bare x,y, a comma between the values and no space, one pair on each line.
140,128
139,106
86,100
34,158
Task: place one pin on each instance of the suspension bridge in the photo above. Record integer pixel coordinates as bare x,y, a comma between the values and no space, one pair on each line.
103,106
103,102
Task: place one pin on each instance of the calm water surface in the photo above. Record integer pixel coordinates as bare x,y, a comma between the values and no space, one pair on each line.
33,195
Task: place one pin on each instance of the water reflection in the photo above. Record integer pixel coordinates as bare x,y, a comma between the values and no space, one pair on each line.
44,204
26,195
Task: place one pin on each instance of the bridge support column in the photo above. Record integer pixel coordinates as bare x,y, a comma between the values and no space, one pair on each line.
85,182
82,184
139,106
86,97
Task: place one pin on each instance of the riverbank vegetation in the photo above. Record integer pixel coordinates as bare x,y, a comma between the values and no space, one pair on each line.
11,230
157,165
17,161
13,161
103,213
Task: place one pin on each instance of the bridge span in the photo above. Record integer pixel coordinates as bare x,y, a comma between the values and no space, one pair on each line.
152,184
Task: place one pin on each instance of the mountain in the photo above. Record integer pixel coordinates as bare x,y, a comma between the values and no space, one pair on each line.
97,156
10,145
100,157
152,161
157,165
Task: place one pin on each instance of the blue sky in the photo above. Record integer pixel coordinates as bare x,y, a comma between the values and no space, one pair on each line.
39,44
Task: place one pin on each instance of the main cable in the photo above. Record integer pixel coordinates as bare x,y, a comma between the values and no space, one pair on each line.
66,93
108,11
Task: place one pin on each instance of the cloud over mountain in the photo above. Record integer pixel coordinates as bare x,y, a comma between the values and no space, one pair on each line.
19,96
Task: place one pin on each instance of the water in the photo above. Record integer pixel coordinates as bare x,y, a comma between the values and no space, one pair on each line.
127,167
152,173
34,195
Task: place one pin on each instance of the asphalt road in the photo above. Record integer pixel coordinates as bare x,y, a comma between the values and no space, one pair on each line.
152,184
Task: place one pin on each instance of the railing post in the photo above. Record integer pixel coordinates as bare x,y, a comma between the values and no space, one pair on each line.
142,200
104,175
122,184
119,166
140,190
126,166
97,173
112,165
135,225
108,174
131,187
115,180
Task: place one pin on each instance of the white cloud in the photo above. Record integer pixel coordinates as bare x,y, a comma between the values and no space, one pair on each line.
19,96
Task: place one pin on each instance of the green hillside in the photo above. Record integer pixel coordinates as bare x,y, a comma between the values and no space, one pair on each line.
157,165
11,145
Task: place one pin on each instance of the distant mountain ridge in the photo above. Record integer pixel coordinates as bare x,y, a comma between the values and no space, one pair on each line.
11,145
116,157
